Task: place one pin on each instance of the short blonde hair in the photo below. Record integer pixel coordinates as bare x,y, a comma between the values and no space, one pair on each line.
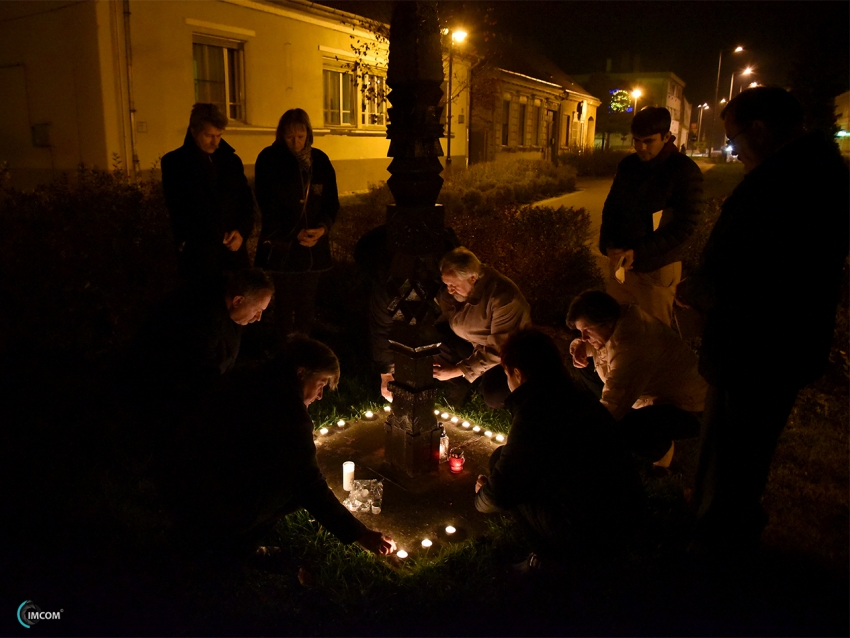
462,262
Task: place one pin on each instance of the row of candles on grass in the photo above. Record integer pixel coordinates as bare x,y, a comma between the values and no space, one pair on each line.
426,542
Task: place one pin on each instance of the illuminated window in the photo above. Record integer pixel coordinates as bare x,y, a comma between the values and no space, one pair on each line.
219,71
338,98
373,100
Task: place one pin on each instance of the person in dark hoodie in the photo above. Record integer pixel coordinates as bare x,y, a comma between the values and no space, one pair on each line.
563,472
247,458
209,200
297,194
772,264
650,213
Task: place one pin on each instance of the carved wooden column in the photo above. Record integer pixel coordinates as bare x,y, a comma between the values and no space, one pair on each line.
414,232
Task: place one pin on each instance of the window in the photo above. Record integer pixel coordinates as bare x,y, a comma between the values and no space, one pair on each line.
522,125
338,98
535,126
219,69
373,100
506,117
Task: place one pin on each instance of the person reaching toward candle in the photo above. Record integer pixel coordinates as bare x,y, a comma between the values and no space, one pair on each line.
563,472
229,484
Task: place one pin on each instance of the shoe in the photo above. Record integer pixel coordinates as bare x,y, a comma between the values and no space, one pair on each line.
531,564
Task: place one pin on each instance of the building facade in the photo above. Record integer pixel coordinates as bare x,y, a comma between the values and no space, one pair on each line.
111,83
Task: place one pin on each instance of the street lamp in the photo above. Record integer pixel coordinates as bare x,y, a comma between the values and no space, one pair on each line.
717,92
701,107
746,71
456,35
636,94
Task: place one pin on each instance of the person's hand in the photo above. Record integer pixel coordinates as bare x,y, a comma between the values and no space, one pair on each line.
480,482
309,236
444,373
375,542
578,351
628,255
233,240
385,391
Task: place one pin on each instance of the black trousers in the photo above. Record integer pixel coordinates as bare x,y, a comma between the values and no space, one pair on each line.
492,385
650,431
738,440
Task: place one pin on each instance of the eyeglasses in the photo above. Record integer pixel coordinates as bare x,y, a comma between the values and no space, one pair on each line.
729,140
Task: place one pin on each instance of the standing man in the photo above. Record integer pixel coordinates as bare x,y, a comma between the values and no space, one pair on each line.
481,308
652,209
772,264
208,198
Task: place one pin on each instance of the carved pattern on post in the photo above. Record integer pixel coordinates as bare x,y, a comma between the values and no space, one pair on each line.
414,232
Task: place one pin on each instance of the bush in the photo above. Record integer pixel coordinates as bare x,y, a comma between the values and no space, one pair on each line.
83,260
593,162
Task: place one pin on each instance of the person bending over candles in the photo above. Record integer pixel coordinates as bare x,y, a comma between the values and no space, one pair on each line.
563,472
249,459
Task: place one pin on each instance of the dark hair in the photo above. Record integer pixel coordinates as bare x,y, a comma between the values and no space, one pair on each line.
315,357
294,117
773,105
203,114
651,120
535,354
595,306
250,282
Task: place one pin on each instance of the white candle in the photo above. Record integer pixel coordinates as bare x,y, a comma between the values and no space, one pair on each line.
369,414
426,543
450,530
488,433
323,431
437,412
465,424
340,423
347,475
401,553
500,437
444,415
387,408
455,419
476,429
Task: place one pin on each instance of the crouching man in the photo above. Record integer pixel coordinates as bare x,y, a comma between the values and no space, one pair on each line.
652,385
563,472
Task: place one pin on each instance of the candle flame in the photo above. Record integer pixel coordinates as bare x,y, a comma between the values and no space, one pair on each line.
465,424
488,433
369,414
323,431
450,530
427,543
401,553
340,423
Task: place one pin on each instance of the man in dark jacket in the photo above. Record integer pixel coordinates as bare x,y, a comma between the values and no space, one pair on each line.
563,472
208,197
782,236
649,215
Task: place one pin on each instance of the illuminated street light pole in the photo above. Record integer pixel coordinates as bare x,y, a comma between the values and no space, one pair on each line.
636,94
717,94
702,108
457,35
746,71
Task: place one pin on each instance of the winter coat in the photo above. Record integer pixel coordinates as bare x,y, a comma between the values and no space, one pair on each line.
769,276
250,454
672,183
563,449
494,310
207,195
646,363
280,187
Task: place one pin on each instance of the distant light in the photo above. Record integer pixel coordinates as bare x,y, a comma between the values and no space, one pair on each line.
459,35
637,93
340,423
450,530
426,543
444,31
738,49
753,85
728,149
723,101
401,553
842,134
746,71
323,431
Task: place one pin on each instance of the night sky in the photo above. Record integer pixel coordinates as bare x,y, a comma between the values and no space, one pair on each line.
683,37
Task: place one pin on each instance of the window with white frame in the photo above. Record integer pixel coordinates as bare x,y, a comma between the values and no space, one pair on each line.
219,71
339,100
373,100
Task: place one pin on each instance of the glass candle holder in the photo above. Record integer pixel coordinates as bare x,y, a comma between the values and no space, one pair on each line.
456,460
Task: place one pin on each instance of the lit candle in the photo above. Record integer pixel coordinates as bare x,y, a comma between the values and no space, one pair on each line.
450,530
500,437
437,412
476,429
426,543
369,414
465,424
488,433
323,431
348,475
340,423
387,408
455,419
401,553
444,415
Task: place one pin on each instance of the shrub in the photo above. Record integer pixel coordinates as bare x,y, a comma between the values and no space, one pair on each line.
593,162
83,259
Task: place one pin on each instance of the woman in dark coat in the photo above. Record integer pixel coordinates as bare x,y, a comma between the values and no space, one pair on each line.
248,458
297,193
563,472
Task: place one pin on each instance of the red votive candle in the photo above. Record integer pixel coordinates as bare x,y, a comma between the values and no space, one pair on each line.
456,460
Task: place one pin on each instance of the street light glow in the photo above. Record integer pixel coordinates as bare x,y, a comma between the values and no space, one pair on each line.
746,71
637,93
738,49
459,35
